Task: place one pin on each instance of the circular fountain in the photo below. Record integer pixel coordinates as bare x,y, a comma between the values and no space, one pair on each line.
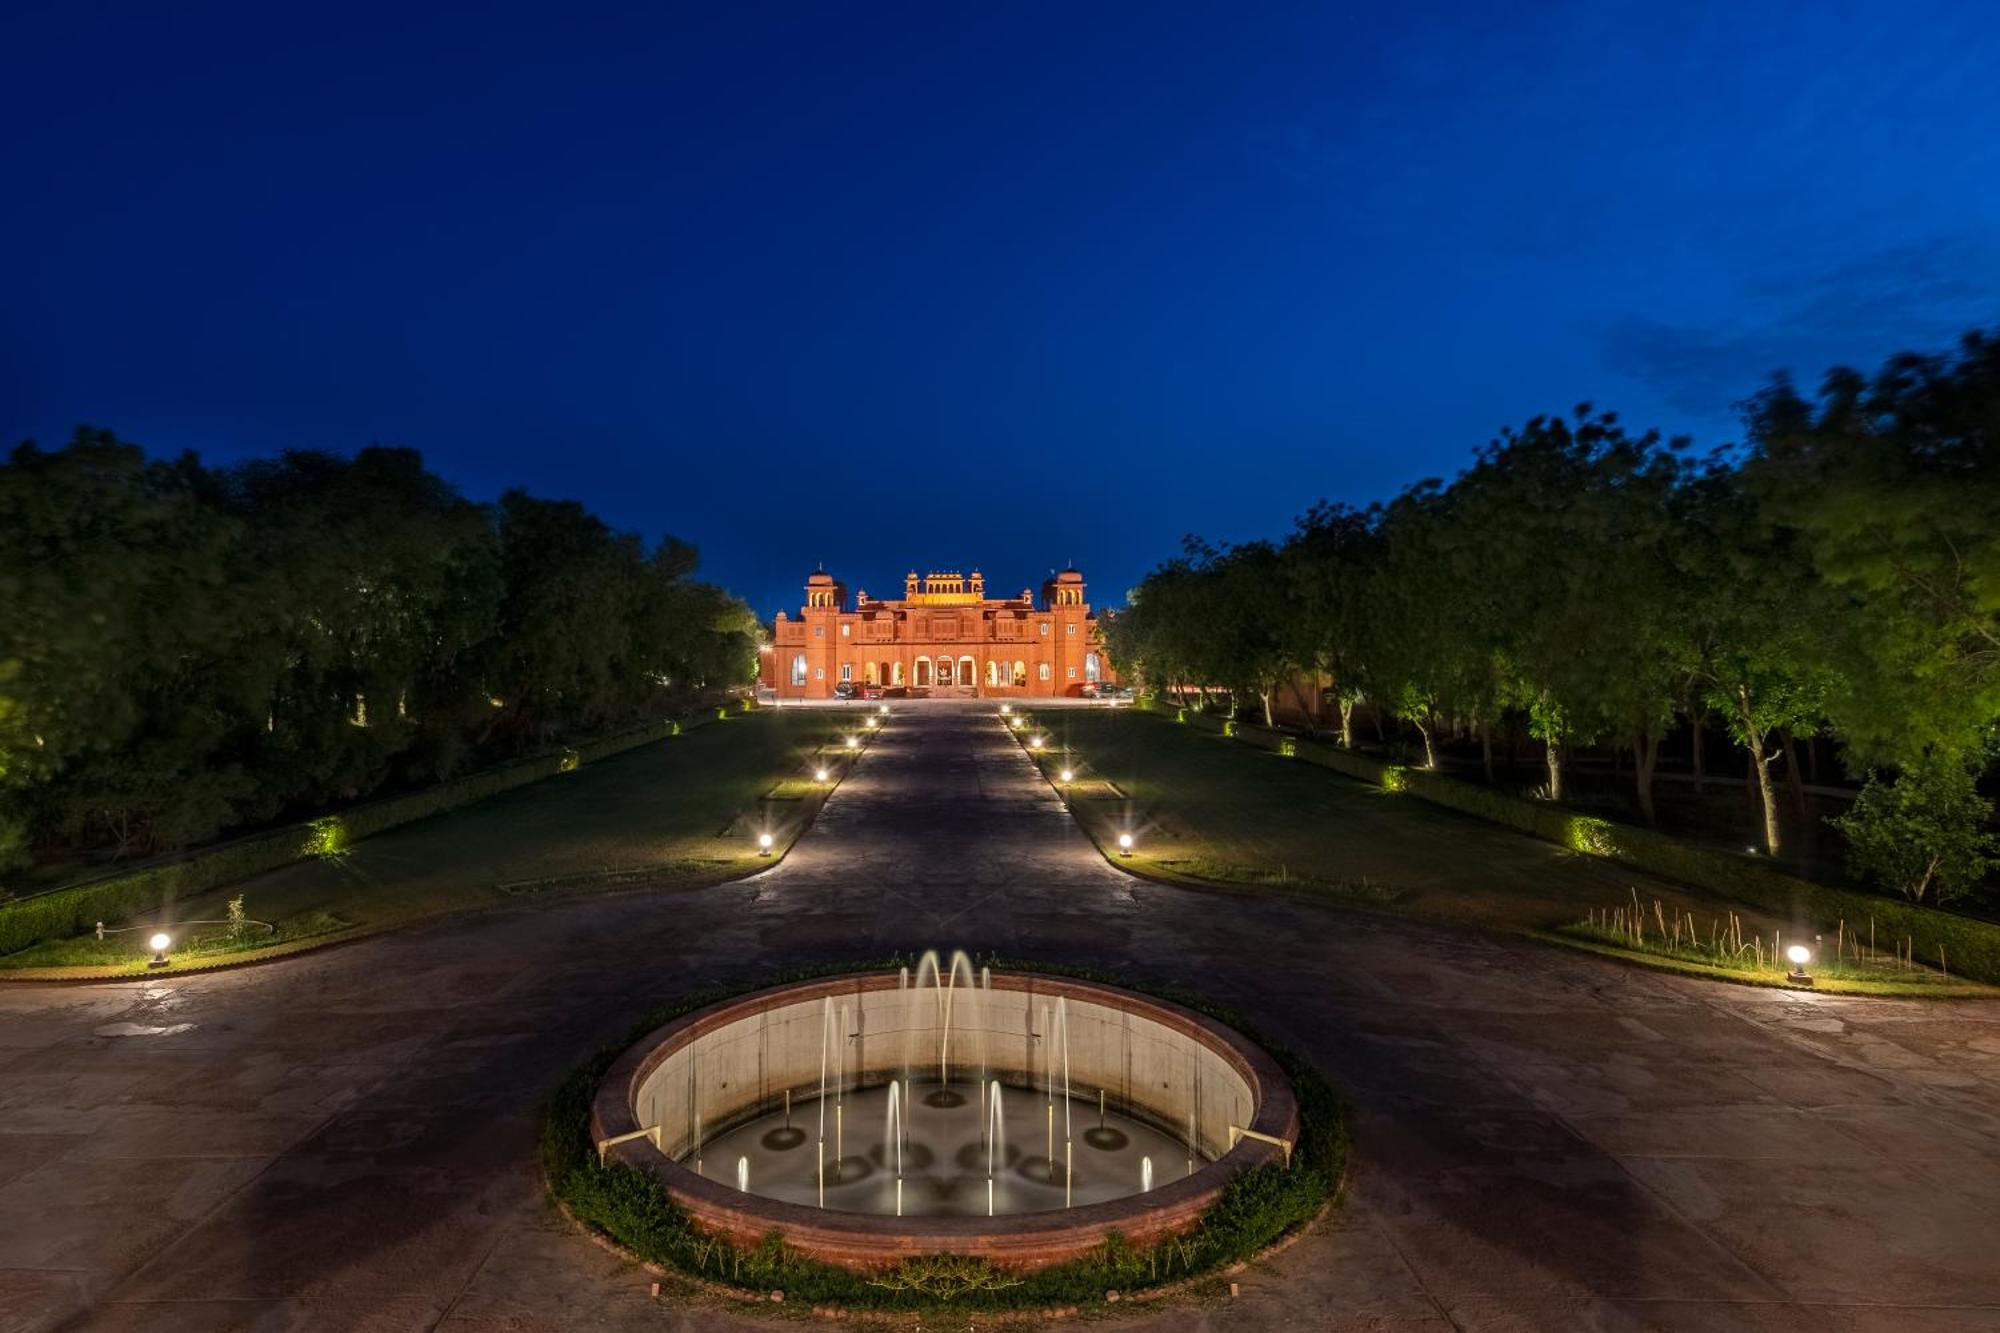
872,1117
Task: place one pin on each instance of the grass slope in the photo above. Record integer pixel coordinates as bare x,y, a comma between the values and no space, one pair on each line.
683,811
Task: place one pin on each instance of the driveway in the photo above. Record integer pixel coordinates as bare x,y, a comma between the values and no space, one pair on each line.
1541,1140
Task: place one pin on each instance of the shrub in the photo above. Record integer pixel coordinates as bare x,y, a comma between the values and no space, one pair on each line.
1922,835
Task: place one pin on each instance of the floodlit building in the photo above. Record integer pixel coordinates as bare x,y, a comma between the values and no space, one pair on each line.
943,637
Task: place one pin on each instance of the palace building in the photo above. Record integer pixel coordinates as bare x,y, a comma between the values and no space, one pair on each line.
944,636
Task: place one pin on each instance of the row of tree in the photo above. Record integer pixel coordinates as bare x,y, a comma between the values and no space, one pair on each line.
186,649
1837,574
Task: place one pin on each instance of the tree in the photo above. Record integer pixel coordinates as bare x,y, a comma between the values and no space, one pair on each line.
1328,561
1892,487
1923,834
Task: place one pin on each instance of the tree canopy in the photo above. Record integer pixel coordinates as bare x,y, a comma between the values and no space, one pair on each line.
1837,574
185,650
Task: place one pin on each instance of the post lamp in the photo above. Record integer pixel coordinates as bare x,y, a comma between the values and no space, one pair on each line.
1124,844
1800,956
160,943
763,844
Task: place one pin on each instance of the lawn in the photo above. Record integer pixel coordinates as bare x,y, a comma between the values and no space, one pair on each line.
1204,808
678,812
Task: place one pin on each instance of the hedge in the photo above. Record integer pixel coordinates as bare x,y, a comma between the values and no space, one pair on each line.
1970,948
61,913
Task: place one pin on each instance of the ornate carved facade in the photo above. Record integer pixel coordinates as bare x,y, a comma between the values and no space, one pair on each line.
944,636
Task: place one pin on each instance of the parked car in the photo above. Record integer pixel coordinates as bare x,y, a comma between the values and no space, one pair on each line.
868,690
845,689
1106,690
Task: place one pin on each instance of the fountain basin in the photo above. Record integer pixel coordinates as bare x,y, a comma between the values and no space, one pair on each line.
1171,1079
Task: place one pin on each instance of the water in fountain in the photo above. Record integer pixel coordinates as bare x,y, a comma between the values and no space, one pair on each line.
936,1141
892,1140
995,1142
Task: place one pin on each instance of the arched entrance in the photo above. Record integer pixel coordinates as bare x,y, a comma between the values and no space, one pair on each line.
923,671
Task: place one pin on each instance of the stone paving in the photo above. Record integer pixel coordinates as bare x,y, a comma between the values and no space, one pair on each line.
1541,1140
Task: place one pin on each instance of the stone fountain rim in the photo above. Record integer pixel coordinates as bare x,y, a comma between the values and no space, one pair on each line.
867,1240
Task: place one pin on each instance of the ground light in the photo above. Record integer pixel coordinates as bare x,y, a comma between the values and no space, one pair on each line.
1069,775
852,742
819,775
1006,708
763,844
867,721
1800,956
1124,844
160,943
883,710
1035,743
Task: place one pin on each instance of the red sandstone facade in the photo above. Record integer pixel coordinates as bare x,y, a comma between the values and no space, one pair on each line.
945,637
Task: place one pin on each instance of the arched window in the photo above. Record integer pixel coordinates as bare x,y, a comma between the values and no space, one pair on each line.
1045,671
1020,673
968,671
799,669
943,670
1091,670
896,674
868,674
923,671
992,671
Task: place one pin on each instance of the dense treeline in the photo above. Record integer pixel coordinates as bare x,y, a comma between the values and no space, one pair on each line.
185,650
1838,574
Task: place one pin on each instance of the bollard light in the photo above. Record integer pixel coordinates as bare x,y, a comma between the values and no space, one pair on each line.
1800,956
160,943
883,710
1124,844
852,742
763,844
868,722
1069,775
819,775
1006,708
1035,743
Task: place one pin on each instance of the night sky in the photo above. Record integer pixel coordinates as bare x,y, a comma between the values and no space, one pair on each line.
953,285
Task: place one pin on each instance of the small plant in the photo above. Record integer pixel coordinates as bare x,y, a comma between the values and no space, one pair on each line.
326,836
673,728
1229,727
239,920
1288,748
571,761
1395,778
945,1277
1593,837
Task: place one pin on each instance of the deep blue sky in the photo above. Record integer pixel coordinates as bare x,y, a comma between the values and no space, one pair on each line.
958,285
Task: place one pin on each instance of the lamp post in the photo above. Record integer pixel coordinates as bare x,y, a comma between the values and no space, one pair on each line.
1800,956
1124,844
160,943
763,844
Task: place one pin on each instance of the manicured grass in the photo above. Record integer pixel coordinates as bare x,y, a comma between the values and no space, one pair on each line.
1203,808
681,811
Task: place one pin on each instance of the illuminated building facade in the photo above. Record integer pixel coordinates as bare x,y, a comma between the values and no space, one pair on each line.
944,637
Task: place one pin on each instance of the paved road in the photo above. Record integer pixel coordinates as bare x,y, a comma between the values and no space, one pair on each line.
1542,1141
